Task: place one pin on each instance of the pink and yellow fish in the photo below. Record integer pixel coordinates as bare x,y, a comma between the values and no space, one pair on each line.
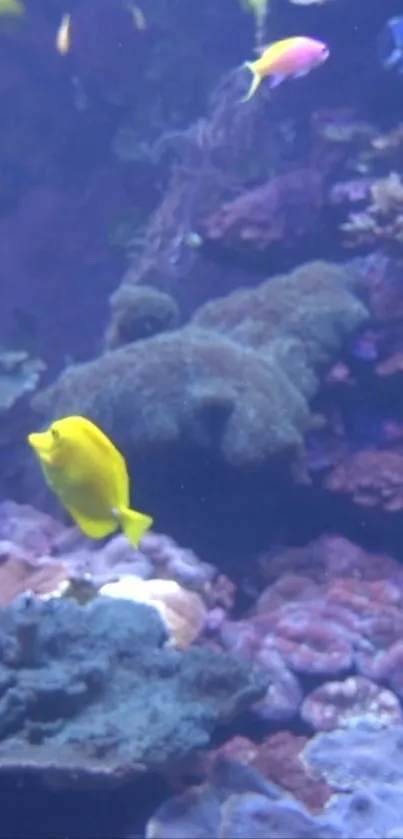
286,59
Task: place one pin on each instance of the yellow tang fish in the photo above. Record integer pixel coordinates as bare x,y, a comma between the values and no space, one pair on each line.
89,476
289,58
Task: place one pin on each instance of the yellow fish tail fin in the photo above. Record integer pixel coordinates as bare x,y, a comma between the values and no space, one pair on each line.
256,79
134,524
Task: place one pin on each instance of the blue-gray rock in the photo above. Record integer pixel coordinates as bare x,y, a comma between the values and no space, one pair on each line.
89,694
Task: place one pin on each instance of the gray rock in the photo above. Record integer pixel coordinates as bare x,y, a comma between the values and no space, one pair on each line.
89,694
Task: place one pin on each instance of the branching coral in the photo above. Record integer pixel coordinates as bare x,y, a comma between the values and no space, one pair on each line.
370,479
217,159
19,375
212,157
286,207
382,220
260,10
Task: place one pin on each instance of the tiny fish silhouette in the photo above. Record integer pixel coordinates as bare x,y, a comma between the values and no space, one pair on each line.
63,37
89,476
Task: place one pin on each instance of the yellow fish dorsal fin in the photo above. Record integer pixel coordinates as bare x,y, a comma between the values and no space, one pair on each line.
278,47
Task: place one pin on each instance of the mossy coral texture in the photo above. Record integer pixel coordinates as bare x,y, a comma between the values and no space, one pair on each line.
236,380
90,694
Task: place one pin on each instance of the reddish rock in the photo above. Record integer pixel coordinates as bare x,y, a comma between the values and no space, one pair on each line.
278,760
19,574
286,206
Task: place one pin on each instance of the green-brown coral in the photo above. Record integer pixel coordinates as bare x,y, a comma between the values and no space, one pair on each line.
236,381
139,312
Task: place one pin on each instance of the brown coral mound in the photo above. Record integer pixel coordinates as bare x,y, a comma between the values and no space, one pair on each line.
139,312
236,380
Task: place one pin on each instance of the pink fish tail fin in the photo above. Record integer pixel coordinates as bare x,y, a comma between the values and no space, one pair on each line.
256,79
134,524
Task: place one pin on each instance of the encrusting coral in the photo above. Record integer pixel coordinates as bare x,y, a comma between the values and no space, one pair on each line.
285,208
238,801
40,556
332,611
381,221
124,703
139,312
19,374
237,380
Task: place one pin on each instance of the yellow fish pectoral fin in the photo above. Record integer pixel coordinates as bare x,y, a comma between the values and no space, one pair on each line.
256,79
94,528
134,524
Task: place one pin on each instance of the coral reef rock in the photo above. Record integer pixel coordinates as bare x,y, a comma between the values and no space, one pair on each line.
183,612
284,209
333,616
236,381
346,704
351,758
238,802
89,696
19,374
139,312
277,758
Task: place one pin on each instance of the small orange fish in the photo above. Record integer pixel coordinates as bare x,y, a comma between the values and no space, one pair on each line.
289,58
63,37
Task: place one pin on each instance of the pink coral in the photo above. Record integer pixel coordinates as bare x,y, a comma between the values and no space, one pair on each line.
20,573
372,479
345,704
286,206
277,757
194,594
28,528
332,609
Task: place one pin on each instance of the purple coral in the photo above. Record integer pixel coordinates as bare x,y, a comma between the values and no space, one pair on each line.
356,701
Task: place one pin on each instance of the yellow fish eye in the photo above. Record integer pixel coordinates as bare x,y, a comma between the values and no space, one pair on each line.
55,434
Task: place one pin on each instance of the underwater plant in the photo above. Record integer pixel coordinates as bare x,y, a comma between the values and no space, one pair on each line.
260,10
